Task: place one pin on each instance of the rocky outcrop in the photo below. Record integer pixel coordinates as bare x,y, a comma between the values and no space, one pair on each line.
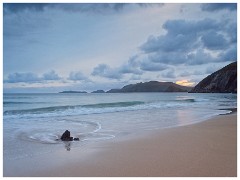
151,86
66,136
221,81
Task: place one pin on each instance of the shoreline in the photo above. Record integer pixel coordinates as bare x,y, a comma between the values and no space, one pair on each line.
205,149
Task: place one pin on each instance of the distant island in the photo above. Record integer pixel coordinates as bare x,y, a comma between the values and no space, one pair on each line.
73,92
98,91
152,86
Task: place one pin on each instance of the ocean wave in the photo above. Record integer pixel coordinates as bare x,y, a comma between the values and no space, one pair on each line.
185,100
54,109
10,102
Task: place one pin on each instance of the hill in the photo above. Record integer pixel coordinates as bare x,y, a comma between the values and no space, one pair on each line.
221,81
151,86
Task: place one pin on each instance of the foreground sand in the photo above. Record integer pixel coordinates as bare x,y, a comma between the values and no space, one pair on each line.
205,149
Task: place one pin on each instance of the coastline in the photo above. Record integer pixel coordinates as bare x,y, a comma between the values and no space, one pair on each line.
205,149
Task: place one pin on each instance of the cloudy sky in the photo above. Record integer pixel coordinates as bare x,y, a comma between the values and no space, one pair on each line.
85,47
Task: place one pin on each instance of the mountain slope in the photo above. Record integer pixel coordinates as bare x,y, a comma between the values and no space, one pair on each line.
221,81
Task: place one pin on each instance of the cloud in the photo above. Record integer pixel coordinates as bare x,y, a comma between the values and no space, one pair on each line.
231,29
151,66
104,70
200,57
185,74
30,77
131,67
219,6
77,76
26,23
73,7
23,77
169,74
181,35
18,7
186,42
214,41
52,75
230,54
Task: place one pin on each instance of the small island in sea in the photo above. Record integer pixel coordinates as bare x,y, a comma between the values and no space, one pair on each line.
98,91
73,92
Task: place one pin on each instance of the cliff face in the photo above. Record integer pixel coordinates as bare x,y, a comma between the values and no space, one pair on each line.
152,86
221,81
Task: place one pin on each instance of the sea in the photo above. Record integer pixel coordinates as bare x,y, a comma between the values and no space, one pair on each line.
33,123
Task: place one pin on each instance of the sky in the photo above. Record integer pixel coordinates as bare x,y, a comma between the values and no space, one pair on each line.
52,47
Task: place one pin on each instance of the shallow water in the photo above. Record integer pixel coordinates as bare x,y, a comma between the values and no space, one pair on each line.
33,122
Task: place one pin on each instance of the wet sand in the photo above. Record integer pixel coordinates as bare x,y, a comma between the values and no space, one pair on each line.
206,149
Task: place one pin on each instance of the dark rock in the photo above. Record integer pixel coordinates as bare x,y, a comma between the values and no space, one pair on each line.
221,81
76,139
66,136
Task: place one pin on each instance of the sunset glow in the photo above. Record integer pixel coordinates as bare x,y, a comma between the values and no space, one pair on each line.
185,83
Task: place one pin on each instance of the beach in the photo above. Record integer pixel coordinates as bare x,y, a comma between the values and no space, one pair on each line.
132,134
205,149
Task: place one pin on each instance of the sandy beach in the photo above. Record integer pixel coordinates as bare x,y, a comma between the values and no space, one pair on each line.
206,149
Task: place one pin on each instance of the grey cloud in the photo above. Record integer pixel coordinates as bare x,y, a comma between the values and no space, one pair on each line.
169,74
214,41
184,74
193,58
23,77
230,54
185,41
219,6
30,77
200,57
169,58
24,24
181,35
231,29
77,76
18,7
136,66
72,7
52,75
131,67
190,27
169,43
151,66
104,70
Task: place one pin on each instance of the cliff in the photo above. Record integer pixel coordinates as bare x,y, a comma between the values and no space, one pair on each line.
221,81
